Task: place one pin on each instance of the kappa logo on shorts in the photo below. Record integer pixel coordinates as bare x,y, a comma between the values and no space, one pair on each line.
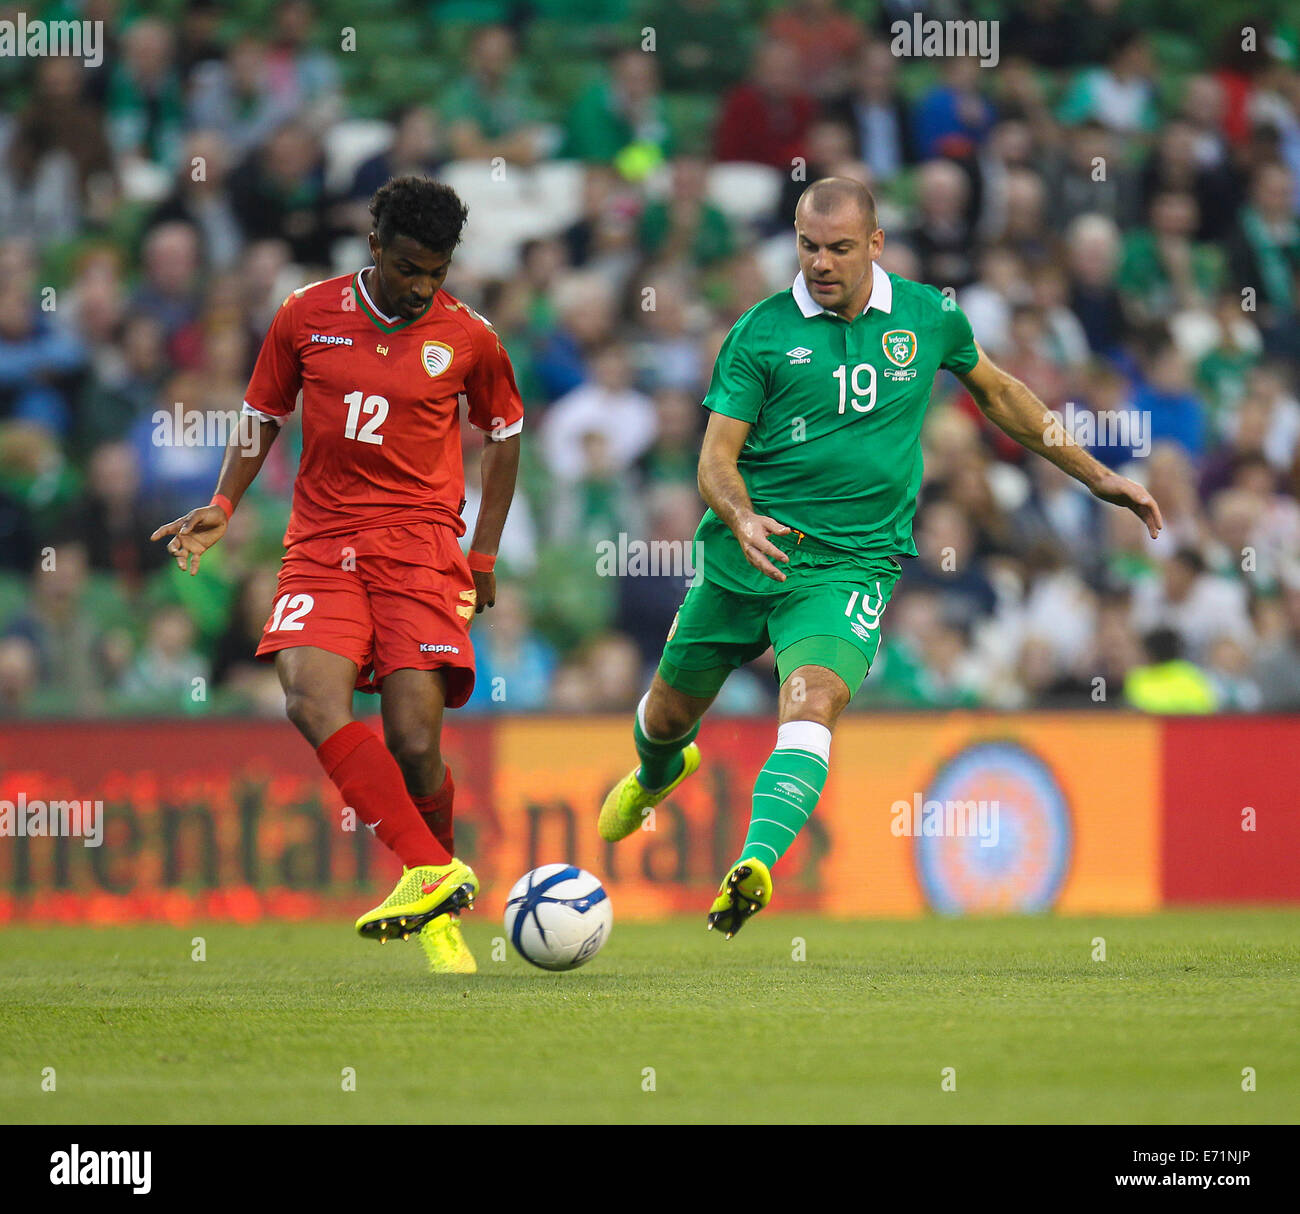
439,648
436,357
900,346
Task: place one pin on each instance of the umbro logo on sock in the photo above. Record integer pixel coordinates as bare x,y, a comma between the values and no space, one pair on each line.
791,790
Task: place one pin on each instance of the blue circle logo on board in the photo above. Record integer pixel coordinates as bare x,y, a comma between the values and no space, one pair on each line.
992,832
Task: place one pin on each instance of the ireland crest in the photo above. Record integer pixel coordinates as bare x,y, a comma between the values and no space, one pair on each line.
900,346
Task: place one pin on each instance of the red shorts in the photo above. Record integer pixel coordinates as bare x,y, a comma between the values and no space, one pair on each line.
388,598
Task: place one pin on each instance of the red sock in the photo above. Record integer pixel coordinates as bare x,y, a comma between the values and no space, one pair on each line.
437,813
370,781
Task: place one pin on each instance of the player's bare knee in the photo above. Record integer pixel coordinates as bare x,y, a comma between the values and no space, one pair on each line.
668,713
415,748
813,694
312,715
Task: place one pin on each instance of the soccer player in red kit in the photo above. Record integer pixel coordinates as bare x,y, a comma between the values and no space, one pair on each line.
374,592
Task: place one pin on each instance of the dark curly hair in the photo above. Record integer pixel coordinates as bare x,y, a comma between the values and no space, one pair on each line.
426,211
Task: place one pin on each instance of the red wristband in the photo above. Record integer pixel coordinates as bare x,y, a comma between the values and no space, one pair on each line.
223,503
481,563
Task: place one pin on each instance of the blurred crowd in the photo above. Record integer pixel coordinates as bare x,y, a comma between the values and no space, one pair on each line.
1115,204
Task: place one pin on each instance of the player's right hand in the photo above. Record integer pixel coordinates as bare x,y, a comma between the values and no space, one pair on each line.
193,535
752,531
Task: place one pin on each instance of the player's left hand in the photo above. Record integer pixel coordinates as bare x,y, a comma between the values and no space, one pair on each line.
1120,491
485,588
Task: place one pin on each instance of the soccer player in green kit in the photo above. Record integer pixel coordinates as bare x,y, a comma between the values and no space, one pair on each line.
810,466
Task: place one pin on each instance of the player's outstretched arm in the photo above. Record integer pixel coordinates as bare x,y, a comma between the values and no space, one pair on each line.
500,469
723,489
196,532
1014,409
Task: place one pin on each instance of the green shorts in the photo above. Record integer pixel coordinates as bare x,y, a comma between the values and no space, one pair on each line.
826,613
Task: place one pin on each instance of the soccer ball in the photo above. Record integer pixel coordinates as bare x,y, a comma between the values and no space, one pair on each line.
558,916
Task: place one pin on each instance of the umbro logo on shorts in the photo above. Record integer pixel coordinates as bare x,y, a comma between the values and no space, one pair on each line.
800,354
439,648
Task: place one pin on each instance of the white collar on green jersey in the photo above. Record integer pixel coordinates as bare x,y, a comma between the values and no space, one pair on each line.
882,294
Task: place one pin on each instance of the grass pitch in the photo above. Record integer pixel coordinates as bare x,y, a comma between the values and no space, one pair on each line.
668,1024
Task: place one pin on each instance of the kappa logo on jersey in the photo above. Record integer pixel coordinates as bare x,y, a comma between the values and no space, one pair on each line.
436,357
900,346
439,648
331,339
800,354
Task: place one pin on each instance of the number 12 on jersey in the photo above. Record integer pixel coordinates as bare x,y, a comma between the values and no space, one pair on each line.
377,409
850,380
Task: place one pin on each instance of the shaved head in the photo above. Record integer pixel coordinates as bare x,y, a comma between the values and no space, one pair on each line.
829,194
838,239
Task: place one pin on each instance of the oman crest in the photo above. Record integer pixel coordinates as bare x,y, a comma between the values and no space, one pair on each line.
436,356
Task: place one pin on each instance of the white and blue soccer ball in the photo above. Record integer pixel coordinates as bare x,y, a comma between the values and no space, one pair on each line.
558,916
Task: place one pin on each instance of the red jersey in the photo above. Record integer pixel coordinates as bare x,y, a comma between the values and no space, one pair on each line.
380,398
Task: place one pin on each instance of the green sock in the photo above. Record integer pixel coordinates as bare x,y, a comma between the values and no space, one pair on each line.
661,761
787,789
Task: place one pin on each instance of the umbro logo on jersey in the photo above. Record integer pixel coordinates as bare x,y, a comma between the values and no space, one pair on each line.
331,339
800,354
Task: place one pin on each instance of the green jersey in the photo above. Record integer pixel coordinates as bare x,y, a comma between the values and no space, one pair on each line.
835,410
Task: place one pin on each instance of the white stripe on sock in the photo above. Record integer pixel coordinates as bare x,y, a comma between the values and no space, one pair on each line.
784,801
804,735
782,825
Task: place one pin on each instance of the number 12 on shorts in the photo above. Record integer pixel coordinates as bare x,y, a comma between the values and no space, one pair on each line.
297,606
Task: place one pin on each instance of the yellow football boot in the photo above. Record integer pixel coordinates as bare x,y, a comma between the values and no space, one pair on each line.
625,806
445,946
422,894
744,891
